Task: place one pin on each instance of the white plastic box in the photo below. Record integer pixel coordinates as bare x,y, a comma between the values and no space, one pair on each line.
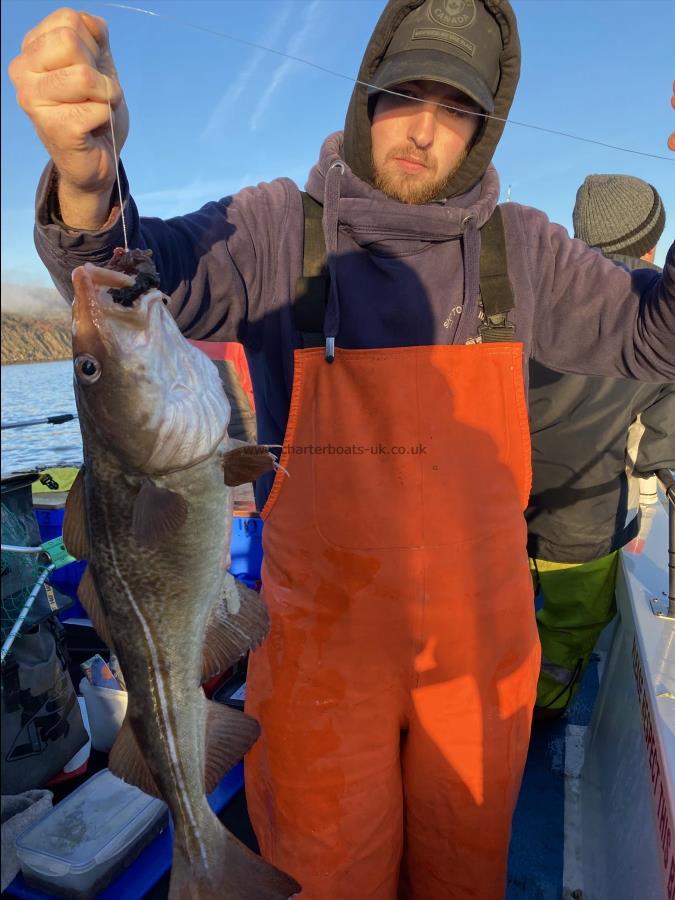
89,837
106,709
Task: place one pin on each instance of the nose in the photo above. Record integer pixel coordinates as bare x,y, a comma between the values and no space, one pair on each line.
422,126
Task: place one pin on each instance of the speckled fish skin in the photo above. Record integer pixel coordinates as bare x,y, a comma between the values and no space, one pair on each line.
154,417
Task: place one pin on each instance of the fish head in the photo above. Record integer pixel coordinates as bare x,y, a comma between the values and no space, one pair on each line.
142,390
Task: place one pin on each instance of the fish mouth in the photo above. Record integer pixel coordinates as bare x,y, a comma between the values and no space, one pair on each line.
91,284
103,293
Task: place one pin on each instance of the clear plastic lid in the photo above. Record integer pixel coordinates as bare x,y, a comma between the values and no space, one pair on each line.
96,821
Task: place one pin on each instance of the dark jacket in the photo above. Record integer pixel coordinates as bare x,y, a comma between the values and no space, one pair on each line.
401,272
579,503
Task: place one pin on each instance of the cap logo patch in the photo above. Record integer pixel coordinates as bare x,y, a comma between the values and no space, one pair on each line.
435,34
453,13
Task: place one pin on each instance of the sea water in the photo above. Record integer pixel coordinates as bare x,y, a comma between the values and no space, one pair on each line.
32,391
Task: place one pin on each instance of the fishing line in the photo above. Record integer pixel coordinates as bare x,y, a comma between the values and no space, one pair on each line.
327,71
117,170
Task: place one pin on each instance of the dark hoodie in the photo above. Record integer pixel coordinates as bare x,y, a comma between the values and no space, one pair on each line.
578,508
400,273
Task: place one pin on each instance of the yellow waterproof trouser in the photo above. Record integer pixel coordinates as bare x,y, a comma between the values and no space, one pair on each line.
578,602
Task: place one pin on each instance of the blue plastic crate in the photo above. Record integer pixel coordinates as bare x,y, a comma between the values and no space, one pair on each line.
246,549
66,580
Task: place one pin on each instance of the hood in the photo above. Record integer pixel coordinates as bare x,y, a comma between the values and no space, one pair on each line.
357,146
386,226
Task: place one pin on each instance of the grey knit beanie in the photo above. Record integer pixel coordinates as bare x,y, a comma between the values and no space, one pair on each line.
618,214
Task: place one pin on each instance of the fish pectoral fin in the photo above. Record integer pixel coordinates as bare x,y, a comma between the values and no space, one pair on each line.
75,533
90,600
230,635
230,734
158,512
247,462
128,763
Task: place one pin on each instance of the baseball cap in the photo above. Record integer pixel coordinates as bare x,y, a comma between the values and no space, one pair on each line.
454,42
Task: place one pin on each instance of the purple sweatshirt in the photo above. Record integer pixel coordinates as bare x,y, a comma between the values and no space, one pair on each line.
400,273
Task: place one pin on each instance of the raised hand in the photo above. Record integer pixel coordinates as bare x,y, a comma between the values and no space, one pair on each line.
63,77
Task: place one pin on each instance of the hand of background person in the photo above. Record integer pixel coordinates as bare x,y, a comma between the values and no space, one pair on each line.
671,139
63,77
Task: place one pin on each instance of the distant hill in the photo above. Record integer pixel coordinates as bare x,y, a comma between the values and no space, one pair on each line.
35,324
35,340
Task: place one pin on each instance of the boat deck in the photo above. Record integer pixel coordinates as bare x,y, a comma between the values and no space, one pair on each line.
538,846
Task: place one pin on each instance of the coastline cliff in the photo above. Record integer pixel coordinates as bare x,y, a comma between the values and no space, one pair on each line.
35,325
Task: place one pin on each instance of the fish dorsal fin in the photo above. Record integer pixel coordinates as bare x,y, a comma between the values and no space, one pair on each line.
246,462
230,634
128,763
75,532
90,600
158,512
230,734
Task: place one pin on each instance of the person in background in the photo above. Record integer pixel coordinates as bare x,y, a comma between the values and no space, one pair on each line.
230,360
395,689
583,428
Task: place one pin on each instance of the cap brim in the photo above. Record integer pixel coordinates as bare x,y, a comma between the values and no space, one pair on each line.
432,65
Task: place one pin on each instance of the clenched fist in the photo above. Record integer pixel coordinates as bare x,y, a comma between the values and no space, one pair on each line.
64,77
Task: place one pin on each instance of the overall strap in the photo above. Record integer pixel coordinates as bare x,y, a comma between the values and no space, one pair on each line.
496,291
311,290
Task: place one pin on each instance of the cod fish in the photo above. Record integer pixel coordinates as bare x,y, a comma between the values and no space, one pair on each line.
151,512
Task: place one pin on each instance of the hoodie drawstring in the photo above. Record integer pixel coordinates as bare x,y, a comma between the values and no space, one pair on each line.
331,205
468,323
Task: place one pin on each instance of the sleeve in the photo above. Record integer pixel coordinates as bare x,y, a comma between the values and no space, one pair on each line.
217,264
656,447
593,317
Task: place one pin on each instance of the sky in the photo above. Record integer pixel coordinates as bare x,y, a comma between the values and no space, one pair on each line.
210,115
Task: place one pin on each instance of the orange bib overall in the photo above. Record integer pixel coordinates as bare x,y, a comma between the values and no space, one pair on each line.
395,689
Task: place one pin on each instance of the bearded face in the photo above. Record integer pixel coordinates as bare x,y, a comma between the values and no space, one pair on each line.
420,137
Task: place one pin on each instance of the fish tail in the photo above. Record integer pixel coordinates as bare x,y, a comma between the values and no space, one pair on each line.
233,873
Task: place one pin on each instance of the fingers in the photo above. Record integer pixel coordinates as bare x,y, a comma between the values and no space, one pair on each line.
65,59
73,123
57,49
66,38
91,30
98,28
73,84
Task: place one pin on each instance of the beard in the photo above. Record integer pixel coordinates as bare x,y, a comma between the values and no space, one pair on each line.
413,187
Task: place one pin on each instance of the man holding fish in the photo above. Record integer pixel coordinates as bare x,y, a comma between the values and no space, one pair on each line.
395,690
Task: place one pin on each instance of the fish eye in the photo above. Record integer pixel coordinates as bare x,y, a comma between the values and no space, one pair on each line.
87,369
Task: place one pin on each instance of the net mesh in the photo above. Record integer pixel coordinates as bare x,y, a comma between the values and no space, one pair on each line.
20,571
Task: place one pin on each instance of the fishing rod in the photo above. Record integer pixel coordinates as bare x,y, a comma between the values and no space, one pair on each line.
47,420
